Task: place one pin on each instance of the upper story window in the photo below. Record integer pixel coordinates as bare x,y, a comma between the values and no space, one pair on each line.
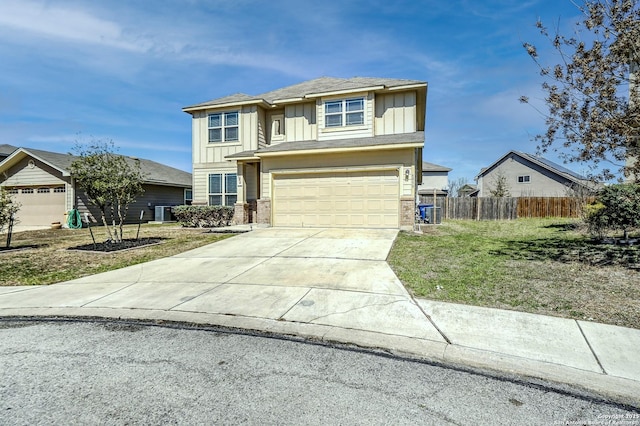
524,179
344,112
223,127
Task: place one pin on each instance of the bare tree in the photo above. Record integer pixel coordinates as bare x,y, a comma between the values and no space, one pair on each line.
456,185
110,181
592,95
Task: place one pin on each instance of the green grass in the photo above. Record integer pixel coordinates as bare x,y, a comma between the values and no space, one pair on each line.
542,266
45,258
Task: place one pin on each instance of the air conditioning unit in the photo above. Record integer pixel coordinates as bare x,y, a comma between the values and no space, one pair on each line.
164,214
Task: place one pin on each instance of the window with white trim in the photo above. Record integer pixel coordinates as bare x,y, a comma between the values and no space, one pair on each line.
188,197
524,179
223,189
12,191
27,190
344,112
44,190
59,189
223,126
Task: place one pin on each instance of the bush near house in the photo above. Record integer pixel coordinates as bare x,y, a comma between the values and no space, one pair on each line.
203,216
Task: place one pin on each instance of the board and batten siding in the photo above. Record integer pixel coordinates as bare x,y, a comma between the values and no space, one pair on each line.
248,136
395,113
300,122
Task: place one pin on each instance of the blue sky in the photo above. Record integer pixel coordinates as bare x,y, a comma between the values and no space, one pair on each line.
122,70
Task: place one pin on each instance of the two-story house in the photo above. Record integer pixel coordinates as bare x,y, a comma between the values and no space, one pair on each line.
326,152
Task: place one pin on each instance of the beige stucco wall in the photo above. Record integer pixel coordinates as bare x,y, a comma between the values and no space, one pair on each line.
434,180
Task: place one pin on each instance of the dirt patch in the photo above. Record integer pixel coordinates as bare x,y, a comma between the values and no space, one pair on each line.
110,246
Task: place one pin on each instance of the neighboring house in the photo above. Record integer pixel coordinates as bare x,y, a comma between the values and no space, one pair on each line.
435,182
6,150
325,152
41,182
468,190
527,175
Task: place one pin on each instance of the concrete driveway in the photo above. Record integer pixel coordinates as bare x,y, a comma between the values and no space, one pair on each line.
331,277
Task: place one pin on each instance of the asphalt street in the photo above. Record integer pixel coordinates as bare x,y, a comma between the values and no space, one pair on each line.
103,372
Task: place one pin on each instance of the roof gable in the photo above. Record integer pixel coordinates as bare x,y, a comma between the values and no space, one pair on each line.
540,161
154,173
310,88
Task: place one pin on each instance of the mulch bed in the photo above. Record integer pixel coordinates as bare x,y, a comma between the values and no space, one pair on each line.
110,246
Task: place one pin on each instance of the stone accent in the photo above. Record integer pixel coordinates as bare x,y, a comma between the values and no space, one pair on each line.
239,213
245,212
264,211
407,213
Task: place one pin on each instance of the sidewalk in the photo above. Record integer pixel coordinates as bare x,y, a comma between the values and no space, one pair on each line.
335,285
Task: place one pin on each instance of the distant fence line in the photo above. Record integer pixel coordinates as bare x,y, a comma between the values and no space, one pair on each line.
509,208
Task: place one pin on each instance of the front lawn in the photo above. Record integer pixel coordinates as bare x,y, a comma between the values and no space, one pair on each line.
543,266
46,259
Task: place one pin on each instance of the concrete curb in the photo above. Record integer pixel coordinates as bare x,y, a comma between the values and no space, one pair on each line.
596,385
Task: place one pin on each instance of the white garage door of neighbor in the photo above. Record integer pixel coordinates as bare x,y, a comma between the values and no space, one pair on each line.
342,199
40,208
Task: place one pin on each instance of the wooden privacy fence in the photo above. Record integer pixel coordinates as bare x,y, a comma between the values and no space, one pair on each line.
508,208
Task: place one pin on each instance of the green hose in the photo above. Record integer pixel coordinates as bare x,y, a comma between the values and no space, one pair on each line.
74,220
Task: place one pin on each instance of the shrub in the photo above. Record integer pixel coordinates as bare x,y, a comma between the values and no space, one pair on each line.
203,216
617,208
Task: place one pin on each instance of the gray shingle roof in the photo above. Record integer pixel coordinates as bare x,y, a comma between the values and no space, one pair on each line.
551,164
5,149
400,139
432,167
310,87
154,173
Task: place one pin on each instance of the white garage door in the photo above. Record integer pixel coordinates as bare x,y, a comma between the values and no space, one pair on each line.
40,206
342,199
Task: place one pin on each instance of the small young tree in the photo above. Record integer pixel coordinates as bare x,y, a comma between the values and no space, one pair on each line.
618,207
110,181
8,208
500,186
592,95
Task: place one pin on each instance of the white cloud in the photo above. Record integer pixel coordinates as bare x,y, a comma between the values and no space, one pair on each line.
60,22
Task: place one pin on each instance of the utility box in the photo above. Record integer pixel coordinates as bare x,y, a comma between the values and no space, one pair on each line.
434,215
164,214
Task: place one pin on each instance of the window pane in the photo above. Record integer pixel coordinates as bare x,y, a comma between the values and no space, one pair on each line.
355,104
333,120
231,183
355,118
230,200
231,134
215,135
333,107
215,200
215,183
215,120
231,119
